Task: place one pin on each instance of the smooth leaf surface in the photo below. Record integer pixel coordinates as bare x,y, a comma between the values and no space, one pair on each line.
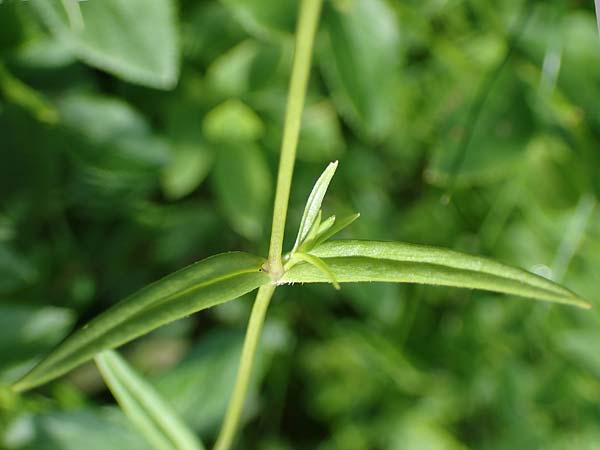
232,121
115,149
153,416
16,271
264,17
199,386
486,148
89,429
361,261
192,157
132,39
242,183
359,59
27,332
121,136
201,285
321,137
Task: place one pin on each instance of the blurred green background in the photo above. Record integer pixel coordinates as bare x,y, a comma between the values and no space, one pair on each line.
149,139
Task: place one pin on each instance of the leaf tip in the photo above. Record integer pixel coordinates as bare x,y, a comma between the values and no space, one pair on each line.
584,304
330,170
580,302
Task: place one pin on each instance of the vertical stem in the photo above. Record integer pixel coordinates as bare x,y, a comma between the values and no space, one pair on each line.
305,36
234,411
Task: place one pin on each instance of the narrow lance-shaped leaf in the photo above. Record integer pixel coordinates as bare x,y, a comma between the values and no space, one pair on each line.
335,229
326,225
153,416
201,285
318,263
313,205
360,261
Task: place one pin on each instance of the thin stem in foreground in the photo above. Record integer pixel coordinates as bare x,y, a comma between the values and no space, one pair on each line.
234,411
305,36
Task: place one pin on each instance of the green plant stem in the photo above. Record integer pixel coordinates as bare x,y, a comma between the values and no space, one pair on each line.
234,411
305,36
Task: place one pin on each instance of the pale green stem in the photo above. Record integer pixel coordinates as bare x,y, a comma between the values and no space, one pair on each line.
305,36
234,411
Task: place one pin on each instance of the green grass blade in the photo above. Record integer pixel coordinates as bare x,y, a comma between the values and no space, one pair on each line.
313,204
201,285
361,261
153,416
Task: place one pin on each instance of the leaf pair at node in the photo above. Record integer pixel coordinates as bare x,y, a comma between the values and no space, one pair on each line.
227,276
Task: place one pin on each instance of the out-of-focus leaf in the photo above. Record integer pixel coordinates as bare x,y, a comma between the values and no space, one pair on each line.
580,347
27,332
199,286
228,74
144,406
113,125
75,430
12,32
199,386
192,158
117,154
242,181
26,97
185,172
320,137
353,357
248,66
16,270
420,432
138,47
208,31
565,47
264,17
487,146
361,261
360,60
579,65
184,227
232,121
46,53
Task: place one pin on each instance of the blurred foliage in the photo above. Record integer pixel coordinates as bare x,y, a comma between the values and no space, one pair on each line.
464,123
